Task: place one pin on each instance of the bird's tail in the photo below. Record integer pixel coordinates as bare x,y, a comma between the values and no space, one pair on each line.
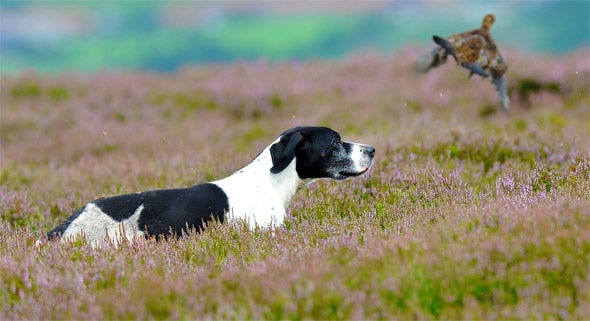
500,84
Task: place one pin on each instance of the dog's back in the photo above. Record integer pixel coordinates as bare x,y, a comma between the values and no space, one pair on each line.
158,212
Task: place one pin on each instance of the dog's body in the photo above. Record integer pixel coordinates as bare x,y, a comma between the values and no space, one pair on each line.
258,193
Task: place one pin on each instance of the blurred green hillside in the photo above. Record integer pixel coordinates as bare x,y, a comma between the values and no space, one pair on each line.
86,36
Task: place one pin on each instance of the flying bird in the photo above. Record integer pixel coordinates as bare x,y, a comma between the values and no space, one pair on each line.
474,50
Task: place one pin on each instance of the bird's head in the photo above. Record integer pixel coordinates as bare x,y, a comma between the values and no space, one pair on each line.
488,22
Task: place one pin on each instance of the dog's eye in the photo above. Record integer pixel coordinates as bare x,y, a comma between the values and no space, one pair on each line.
336,141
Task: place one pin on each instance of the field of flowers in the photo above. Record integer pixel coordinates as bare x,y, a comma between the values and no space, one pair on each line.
467,213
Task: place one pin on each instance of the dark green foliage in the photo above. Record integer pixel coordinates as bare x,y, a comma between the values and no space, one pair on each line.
528,86
485,153
414,106
32,89
487,111
26,89
58,94
276,101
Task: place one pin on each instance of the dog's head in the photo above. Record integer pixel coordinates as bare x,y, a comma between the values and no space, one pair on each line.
319,152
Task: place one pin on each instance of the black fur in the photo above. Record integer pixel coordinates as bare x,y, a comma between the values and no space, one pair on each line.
164,211
175,209
319,152
283,152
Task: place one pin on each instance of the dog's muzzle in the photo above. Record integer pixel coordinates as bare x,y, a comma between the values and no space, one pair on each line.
361,157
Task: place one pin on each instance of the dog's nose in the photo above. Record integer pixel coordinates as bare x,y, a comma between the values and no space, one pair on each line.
370,150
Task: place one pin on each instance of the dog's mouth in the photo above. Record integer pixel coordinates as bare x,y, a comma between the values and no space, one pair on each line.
346,174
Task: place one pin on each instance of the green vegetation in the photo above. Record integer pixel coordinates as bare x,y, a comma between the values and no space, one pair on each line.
462,216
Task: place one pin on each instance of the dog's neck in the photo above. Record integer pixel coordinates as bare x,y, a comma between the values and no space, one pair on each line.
285,183
256,192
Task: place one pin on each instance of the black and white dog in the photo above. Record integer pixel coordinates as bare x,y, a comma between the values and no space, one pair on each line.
258,193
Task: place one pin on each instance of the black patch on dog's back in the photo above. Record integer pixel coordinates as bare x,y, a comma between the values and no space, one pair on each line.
175,210
120,207
164,211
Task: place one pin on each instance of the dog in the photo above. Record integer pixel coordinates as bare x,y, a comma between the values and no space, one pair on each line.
259,193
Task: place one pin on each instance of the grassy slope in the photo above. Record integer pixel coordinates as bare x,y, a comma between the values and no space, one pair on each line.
467,213
139,36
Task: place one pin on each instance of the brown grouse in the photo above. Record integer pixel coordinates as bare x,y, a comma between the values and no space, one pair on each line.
474,50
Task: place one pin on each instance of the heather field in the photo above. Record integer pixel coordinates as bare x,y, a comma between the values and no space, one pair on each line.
467,213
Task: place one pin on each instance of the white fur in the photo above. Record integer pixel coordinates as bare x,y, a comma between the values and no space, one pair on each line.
360,160
258,196
95,225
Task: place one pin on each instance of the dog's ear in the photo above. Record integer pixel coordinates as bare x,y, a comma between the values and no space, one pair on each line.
283,152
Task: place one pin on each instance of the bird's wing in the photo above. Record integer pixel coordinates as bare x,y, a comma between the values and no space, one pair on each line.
500,84
447,45
475,68
431,59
